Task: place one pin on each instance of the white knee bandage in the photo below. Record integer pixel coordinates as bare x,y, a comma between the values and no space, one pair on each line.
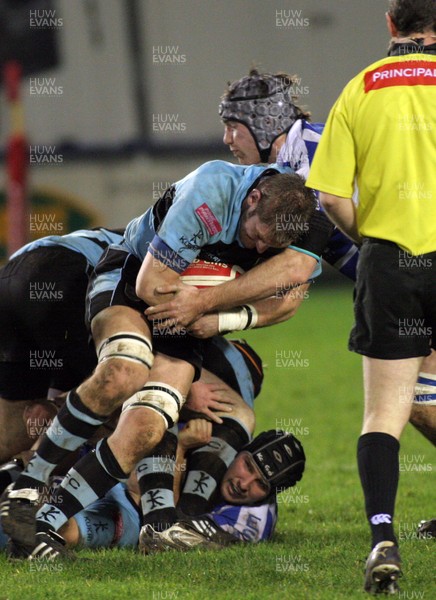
160,397
128,346
425,390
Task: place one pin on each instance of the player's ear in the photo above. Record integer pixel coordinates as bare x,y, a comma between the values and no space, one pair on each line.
253,198
391,26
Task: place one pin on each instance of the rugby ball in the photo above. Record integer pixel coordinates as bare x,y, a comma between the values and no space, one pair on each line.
203,273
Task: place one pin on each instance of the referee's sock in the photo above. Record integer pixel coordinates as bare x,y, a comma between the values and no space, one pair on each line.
207,465
378,461
73,426
156,482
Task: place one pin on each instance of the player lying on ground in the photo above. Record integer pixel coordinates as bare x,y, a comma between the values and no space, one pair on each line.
245,508
244,503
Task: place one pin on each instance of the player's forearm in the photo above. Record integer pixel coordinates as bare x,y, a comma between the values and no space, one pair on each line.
278,309
277,273
152,274
260,313
342,212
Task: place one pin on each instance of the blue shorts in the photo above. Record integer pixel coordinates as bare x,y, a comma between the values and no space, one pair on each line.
115,521
112,521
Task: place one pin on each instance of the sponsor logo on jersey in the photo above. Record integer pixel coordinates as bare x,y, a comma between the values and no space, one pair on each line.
213,226
414,72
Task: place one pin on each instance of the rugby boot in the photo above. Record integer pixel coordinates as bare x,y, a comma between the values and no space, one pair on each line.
188,534
383,569
50,546
149,540
427,529
17,511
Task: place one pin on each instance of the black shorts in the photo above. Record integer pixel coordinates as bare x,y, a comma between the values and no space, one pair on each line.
44,342
113,283
394,302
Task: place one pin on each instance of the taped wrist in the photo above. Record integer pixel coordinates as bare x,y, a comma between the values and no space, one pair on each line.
239,319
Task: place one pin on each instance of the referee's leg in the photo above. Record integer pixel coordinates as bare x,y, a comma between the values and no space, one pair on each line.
389,389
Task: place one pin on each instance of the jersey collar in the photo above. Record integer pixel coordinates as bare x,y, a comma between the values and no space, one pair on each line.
411,48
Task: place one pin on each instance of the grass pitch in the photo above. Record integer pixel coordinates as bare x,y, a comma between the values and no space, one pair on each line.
313,387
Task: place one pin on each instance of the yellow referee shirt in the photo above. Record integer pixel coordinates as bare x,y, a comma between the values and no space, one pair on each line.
381,134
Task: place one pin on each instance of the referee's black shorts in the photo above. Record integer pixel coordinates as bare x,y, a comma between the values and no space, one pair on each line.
394,302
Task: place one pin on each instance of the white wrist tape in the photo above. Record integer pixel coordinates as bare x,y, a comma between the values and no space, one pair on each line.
238,319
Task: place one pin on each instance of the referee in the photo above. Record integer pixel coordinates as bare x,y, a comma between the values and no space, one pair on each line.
381,135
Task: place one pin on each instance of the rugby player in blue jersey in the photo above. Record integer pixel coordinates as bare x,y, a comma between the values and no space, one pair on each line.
44,343
220,212
245,509
263,124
